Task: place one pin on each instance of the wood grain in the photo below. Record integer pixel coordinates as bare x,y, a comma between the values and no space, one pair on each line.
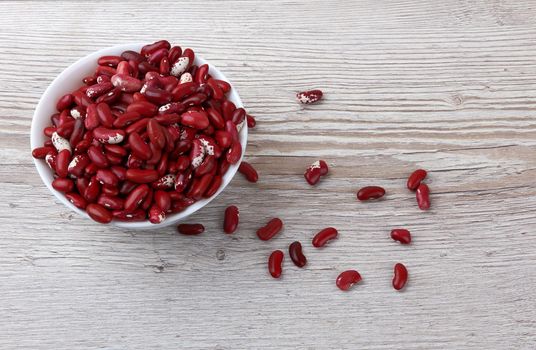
444,85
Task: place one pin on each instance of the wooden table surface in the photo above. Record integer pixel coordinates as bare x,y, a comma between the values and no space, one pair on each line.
448,86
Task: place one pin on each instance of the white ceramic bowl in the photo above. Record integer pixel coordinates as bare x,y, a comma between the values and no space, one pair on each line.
69,80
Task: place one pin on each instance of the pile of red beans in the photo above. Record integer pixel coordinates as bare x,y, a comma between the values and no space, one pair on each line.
148,134
151,133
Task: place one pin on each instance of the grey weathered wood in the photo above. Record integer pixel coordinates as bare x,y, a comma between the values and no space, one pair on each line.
444,85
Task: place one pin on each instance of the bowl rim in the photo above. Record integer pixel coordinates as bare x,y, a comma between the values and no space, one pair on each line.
47,106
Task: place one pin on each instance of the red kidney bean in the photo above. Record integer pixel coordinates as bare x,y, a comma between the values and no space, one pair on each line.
248,171
156,154
315,171
156,134
63,184
165,66
307,97
183,90
156,56
97,157
157,96
138,147
157,45
99,213
41,152
401,235
370,192
94,91
111,202
201,74
144,108
182,180
81,184
251,121
91,169
65,129
196,120
174,53
230,222
109,136
230,127
347,279
275,262
123,215
135,197
126,83
156,214
78,164
107,177
123,69
166,182
216,91
214,186
171,108
228,109
78,132
415,179
132,55
190,229
225,86
120,172
89,80
62,163
76,199
93,190
199,186
194,100
238,116
423,196
296,254
223,166
324,236
181,204
272,228
116,150
102,79
223,139
92,119
162,200
49,131
64,102
111,61
81,99
142,175
208,164
400,276
234,153
110,97
144,67
215,118
50,159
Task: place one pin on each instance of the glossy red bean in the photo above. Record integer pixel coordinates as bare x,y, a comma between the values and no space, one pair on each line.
275,262
174,53
414,180
225,86
138,147
190,229
230,127
194,100
347,279
111,61
315,171
156,133
324,236
64,102
110,97
201,74
228,109
97,157
157,96
41,152
251,121
99,213
109,136
370,192
401,235
215,118
162,200
94,91
93,190
81,99
182,180
107,177
234,153
155,57
138,126
248,171
111,202
78,164
156,214
126,83
400,277
214,186
135,197
183,90
171,108
76,199
296,254
307,97
157,45
123,69
272,228
223,139
423,196
126,119
144,108
62,163
199,186
231,218
238,116
142,175
217,92
196,120
208,164
63,184
92,119
123,215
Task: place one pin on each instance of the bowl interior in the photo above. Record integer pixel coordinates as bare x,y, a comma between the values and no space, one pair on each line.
71,79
